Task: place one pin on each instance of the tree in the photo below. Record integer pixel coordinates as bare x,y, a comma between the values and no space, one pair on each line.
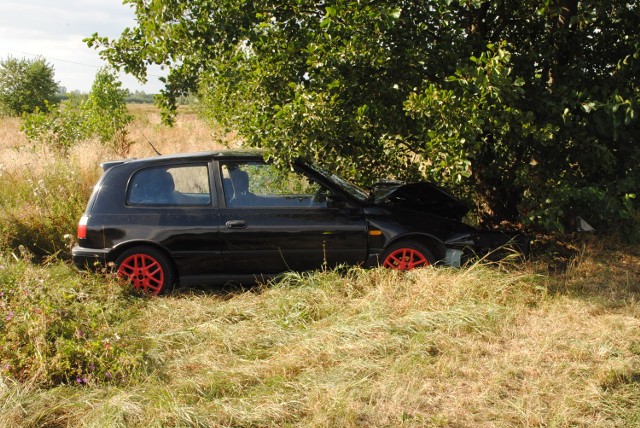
102,113
528,107
26,85
106,113
58,127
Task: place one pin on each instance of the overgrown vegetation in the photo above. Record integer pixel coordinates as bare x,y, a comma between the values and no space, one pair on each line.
552,341
529,108
41,210
102,114
60,328
436,347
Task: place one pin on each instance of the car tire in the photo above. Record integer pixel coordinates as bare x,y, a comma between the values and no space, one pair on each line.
407,255
147,268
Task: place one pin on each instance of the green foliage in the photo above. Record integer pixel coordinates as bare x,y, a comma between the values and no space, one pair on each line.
476,128
61,328
512,104
103,114
57,127
26,85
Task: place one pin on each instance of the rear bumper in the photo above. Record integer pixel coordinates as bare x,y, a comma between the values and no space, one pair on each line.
88,258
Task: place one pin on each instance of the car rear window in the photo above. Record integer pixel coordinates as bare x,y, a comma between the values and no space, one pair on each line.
170,186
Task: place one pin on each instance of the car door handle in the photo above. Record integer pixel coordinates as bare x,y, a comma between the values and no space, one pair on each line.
236,224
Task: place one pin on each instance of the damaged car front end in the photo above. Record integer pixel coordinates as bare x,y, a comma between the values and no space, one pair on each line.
425,213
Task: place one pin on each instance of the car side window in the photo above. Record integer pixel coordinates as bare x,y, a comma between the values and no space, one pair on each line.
170,186
257,184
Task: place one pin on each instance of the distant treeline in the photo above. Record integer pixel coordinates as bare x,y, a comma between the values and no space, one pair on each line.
139,97
136,97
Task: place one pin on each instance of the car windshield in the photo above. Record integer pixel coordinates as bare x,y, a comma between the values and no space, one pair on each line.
348,187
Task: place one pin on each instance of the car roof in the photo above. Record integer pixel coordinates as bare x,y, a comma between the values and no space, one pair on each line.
215,154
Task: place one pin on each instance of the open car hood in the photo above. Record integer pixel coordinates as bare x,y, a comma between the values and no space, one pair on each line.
422,196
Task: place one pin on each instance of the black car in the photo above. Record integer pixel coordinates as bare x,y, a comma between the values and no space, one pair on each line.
230,216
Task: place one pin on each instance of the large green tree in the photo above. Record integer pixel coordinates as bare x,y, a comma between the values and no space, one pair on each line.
529,107
26,85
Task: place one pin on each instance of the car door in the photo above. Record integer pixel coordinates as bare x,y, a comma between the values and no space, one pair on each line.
274,220
173,206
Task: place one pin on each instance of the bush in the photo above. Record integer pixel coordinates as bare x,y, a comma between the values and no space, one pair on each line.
103,114
106,114
58,128
26,85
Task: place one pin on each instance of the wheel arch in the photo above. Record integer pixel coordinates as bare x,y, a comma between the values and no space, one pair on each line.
437,247
122,247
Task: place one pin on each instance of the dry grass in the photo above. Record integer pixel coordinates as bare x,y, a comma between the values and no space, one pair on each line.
190,133
13,154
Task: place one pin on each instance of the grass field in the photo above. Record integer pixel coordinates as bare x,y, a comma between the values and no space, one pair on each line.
553,341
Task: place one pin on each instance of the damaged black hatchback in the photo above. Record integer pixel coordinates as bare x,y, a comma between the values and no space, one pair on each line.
224,216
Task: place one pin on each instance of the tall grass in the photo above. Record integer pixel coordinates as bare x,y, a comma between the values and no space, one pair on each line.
436,347
41,210
62,328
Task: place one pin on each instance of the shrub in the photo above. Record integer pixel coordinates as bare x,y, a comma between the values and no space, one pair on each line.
58,128
106,114
103,114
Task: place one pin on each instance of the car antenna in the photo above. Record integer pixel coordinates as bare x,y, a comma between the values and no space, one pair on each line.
148,140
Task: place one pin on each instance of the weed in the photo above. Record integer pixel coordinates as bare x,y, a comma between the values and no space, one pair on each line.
41,212
58,327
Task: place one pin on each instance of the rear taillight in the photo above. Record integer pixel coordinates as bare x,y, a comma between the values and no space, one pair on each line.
82,227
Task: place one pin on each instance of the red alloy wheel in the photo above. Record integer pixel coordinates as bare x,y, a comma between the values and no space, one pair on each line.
405,258
144,272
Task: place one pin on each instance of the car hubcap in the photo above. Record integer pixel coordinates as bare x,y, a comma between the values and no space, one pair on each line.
405,259
144,272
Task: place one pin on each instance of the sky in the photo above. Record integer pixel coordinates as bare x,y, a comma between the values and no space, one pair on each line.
54,29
